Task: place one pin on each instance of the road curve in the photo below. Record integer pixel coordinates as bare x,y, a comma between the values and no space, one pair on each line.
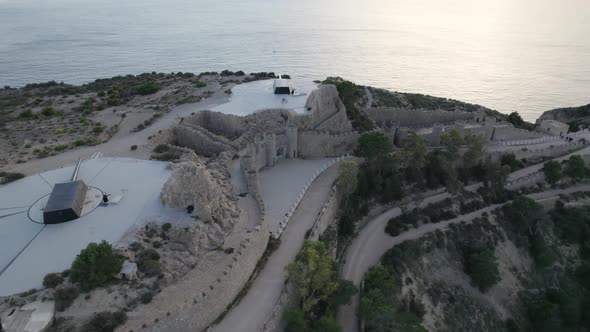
372,243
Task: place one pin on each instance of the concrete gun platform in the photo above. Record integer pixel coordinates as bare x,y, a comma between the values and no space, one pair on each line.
31,250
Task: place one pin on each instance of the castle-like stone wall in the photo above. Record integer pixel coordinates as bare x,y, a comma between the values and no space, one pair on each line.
532,153
327,215
553,128
200,141
313,144
390,116
507,132
227,125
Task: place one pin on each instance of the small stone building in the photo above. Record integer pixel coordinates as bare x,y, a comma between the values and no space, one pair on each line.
553,128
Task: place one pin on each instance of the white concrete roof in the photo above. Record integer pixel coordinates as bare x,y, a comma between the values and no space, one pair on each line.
30,250
250,97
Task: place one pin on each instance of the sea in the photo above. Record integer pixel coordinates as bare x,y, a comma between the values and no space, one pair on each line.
510,55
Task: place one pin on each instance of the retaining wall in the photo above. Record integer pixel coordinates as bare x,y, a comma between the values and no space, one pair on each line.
326,217
227,125
551,152
322,144
201,142
288,297
508,132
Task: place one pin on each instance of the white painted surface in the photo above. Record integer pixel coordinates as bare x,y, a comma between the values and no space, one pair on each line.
249,97
56,246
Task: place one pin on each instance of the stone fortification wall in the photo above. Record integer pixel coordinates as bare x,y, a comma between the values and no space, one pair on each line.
554,128
258,152
288,299
433,137
226,125
313,144
506,132
532,154
531,141
327,215
384,116
199,140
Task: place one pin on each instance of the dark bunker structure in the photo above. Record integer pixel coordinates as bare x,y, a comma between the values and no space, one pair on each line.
66,200
282,87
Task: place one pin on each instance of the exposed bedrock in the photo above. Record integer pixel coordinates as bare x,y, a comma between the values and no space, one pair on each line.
326,112
205,187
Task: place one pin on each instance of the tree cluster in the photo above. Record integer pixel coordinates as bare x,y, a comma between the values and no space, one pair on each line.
381,306
95,265
388,175
319,290
574,168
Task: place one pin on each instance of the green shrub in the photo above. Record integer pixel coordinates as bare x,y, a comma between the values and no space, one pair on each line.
482,266
79,142
105,321
64,297
97,130
52,280
28,113
147,88
146,297
148,262
295,320
199,84
48,111
553,171
166,227
161,148
60,147
149,267
95,265
7,177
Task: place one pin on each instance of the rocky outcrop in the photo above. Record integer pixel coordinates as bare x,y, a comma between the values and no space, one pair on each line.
206,187
326,111
565,114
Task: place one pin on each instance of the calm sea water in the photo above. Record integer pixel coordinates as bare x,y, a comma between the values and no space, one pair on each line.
524,55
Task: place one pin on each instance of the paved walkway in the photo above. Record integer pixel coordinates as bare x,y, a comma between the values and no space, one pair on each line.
281,185
251,312
372,243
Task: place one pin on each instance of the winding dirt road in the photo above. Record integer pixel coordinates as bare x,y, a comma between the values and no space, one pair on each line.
372,242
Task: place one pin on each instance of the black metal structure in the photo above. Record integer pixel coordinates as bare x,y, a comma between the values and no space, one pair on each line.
65,202
282,87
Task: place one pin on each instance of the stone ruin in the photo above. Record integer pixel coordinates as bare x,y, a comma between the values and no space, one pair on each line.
270,134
